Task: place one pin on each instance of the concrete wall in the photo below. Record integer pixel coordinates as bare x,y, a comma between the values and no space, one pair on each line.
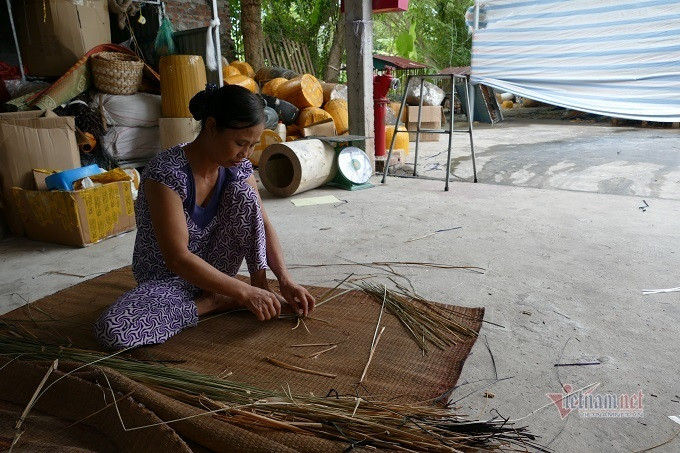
188,14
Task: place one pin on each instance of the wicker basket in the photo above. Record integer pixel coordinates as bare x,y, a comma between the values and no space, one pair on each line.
116,73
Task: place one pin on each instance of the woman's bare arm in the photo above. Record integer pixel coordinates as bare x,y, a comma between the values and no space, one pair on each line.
294,294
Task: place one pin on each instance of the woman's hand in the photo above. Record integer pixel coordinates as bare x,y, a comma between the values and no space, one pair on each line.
264,304
297,296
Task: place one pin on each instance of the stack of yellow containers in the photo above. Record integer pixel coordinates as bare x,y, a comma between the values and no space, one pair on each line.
182,76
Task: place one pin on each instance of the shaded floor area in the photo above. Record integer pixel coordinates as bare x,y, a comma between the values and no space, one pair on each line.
564,155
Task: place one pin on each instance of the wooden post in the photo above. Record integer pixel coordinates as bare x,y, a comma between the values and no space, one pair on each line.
359,39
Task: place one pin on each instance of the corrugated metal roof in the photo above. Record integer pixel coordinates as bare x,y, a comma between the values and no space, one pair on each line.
457,70
400,63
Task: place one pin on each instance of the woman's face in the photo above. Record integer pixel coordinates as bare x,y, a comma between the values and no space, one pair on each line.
231,146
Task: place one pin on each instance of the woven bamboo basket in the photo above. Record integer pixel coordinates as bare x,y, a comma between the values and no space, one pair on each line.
116,73
312,115
338,110
244,81
271,86
301,91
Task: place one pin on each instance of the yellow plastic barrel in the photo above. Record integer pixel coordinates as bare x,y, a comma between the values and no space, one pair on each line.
182,76
401,142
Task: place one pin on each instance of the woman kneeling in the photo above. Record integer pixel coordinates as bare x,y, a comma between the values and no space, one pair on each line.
199,214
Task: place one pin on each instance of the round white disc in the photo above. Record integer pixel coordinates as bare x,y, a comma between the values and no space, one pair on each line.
354,165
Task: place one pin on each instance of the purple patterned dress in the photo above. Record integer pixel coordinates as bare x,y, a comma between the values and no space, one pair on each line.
229,229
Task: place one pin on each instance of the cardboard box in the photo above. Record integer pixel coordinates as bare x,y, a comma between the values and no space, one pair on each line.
430,118
39,177
54,34
29,140
431,114
324,128
79,217
424,137
410,113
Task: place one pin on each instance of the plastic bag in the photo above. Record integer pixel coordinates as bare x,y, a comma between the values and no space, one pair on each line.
165,42
431,94
272,118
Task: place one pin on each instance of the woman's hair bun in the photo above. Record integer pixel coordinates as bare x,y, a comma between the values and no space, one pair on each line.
232,107
197,105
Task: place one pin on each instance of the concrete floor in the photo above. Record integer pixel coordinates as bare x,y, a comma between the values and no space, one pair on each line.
552,154
564,273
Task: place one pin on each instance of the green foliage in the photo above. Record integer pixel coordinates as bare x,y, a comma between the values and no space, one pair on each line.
236,35
308,22
405,43
436,27
431,31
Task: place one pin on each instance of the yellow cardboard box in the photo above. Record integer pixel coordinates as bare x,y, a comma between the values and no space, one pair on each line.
79,217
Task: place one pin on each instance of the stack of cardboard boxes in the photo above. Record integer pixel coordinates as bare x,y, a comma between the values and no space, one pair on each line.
53,35
430,118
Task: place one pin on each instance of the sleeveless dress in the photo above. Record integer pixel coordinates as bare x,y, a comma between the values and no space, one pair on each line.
224,232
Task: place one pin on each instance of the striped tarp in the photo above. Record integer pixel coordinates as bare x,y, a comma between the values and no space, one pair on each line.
619,58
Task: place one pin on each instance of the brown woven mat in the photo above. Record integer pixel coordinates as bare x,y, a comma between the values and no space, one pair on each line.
236,345
75,398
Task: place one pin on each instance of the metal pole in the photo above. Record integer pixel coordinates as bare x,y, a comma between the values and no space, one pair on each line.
471,88
394,135
16,41
448,158
420,112
471,96
472,145
218,49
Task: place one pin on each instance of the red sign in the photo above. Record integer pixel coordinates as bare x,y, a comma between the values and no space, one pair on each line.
383,6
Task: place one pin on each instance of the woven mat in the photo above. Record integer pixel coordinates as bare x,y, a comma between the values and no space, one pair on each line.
236,345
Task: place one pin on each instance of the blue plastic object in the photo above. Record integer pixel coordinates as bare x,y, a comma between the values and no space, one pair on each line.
64,179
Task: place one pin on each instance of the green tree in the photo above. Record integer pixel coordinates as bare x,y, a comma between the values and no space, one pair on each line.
312,23
309,22
431,31
335,53
253,40
236,52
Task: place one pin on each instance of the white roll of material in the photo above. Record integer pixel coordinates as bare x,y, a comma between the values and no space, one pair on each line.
290,168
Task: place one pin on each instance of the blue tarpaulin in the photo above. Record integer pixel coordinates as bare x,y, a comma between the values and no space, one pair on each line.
619,58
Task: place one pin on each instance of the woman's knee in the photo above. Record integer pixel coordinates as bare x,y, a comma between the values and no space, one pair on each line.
138,319
113,328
